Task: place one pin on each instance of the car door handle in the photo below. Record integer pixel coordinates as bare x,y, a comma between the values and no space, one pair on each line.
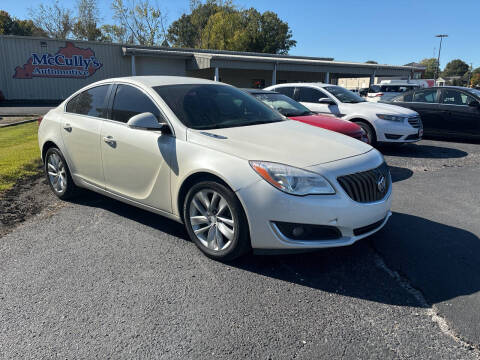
110,140
67,127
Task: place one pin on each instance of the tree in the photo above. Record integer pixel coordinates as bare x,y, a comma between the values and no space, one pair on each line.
114,33
455,67
220,25
142,22
475,80
267,33
476,71
85,27
14,26
188,29
431,65
224,31
55,19
371,62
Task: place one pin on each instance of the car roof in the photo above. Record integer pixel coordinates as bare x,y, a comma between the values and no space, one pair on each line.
159,80
259,91
315,84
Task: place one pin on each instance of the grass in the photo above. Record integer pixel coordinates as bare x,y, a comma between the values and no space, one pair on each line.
19,154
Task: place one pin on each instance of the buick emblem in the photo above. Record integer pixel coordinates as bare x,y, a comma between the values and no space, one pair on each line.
381,183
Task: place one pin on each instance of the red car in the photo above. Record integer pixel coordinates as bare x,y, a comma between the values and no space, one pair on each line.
296,111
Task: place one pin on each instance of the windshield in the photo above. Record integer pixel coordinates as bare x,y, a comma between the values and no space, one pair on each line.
474,92
212,106
283,104
344,95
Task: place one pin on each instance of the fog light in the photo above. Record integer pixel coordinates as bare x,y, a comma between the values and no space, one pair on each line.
298,231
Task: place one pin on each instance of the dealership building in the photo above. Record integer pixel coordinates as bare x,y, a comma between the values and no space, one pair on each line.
45,69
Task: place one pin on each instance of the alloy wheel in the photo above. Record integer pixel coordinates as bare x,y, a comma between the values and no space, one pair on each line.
211,219
57,173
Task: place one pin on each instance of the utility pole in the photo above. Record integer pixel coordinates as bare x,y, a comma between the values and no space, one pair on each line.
437,70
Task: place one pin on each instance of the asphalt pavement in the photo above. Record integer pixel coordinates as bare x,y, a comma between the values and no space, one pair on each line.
98,278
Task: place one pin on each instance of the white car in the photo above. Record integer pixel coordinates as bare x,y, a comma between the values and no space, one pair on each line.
237,173
381,122
386,92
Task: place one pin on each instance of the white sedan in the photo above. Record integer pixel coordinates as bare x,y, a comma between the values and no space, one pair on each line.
381,122
237,173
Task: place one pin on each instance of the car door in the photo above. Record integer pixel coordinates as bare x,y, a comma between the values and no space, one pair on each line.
135,161
458,118
81,124
425,102
309,97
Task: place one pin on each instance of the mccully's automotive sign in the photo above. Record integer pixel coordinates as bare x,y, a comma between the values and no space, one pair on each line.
69,62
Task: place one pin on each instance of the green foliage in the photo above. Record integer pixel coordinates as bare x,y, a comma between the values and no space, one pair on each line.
431,65
222,26
13,26
475,80
455,67
371,62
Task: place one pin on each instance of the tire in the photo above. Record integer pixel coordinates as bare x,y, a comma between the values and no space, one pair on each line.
214,208
58,174
372,136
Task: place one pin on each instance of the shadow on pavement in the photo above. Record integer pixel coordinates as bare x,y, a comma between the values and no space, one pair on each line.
440,260
400,173
423,151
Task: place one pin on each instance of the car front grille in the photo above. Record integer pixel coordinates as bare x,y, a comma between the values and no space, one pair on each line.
367,186
415,121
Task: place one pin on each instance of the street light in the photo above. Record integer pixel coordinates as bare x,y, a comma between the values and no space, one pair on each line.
441,36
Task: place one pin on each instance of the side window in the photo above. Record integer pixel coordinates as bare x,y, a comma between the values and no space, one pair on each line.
454,97
310,95
129,101
425,95
90,102
287,90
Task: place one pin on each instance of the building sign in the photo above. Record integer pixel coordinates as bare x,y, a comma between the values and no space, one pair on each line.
69,62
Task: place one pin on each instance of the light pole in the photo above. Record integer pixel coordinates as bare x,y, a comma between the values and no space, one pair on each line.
441,36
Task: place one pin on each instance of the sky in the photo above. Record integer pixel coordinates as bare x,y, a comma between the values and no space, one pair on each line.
393,32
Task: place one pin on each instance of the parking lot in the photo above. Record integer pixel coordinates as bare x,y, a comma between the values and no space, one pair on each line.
97,278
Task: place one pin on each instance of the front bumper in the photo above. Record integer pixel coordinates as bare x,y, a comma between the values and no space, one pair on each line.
401,132
265,205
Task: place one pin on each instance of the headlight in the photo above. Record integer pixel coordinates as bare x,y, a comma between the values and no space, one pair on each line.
391,117
292,180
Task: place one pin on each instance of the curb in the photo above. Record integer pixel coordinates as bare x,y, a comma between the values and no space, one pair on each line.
18,123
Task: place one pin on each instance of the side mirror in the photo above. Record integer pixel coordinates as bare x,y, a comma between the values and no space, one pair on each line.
474,103
326,100
147,121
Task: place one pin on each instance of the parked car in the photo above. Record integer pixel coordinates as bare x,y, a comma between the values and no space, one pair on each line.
233,170
381,122
446,111
296,111
386,92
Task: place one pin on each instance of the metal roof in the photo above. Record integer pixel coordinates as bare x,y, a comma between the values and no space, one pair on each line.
201,59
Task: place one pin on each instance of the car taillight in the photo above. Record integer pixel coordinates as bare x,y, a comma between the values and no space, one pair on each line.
39,120
379,94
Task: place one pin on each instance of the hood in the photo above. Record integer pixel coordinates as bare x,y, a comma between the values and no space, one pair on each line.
380,108
288,142
329,123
